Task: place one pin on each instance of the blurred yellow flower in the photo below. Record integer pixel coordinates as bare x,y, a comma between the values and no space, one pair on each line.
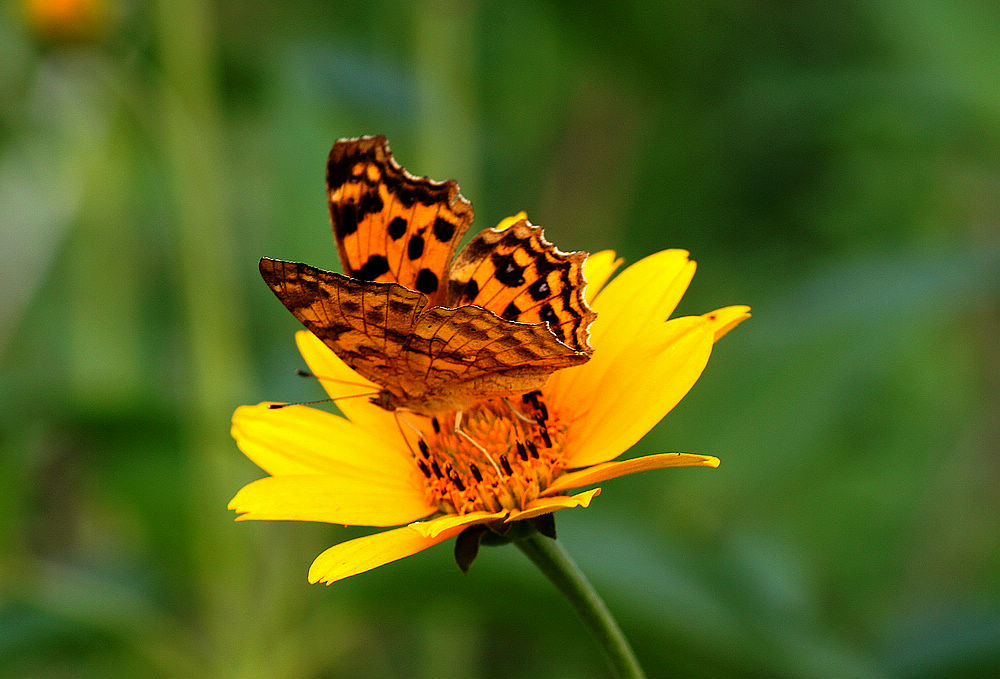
507,461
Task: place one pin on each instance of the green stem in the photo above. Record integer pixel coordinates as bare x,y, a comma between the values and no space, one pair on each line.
560,568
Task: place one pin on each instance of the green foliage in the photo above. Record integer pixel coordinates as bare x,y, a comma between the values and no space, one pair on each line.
833,166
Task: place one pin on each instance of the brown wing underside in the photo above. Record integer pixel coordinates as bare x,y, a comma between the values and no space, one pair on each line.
388,335
520,276
366,325
466,343
390,226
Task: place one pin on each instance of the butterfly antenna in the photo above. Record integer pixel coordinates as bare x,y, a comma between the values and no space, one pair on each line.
275,406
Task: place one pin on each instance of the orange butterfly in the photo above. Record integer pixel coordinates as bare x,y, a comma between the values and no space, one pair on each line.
435,335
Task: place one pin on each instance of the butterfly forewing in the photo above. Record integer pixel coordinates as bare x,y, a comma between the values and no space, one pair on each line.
389,225
367,324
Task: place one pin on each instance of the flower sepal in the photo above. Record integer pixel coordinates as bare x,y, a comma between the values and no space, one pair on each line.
496,533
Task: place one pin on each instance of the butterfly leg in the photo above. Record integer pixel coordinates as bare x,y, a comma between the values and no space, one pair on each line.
421,440
517,413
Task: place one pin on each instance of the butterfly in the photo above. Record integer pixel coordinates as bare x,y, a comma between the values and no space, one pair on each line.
434,331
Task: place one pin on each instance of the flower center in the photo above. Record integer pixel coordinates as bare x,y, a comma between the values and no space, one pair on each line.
501,456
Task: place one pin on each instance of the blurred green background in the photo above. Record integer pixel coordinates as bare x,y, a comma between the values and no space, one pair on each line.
834,165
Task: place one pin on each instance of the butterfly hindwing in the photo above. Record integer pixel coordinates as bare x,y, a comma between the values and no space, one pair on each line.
390,226
520,276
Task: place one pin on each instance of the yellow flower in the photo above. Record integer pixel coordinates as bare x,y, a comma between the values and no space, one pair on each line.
512,459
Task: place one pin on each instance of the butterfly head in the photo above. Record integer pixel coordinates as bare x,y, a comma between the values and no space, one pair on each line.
385,400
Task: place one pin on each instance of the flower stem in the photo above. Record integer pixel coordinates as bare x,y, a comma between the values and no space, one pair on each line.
560,568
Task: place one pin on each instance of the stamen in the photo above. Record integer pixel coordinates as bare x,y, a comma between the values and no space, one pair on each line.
533,449
506,465
522,452
493,457
453,477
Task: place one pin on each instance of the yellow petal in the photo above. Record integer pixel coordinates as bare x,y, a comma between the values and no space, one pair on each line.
301,440
340,380
610,470
644,294
363,554
508,222
597,269
349,497
725,319
435,526
616,402
545,505
336,377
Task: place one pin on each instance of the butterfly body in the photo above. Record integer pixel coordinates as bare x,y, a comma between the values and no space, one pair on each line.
434,335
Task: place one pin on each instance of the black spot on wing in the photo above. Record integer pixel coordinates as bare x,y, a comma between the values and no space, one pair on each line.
476,250
339,170
546,313
443,230
410,192
415,248
347,220
370,202
373,268
508,272
427,282
397,228
511,312
465,292
540,290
